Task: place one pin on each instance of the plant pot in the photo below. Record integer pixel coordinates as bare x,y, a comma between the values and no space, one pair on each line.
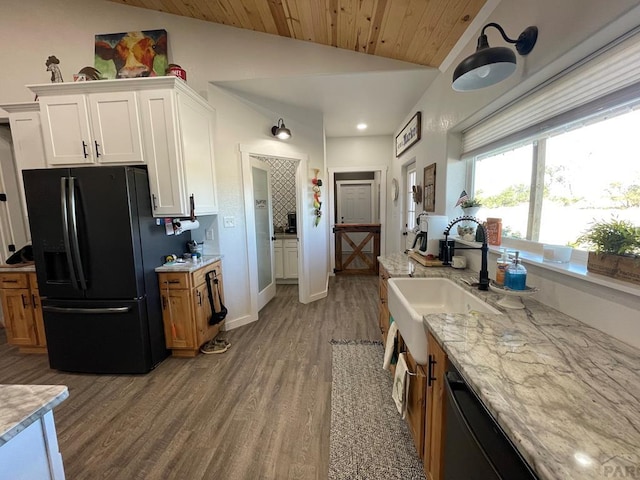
471,211
626,268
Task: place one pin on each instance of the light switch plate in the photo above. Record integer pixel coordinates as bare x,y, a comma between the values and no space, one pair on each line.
229,222
209,234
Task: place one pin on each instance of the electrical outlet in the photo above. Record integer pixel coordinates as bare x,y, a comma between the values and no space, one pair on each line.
229,222
208,234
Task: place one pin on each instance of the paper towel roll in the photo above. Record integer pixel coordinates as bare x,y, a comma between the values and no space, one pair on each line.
185,225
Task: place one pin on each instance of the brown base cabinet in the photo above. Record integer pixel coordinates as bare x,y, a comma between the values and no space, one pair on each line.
417,403
434,431
22,312
186,309
383,306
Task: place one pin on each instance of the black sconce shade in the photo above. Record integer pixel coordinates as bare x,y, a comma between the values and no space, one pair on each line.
280,131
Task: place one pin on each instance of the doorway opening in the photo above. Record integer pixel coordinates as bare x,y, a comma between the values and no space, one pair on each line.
272,186
357,207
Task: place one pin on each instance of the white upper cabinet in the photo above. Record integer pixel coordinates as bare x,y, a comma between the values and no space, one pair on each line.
158,121
28,148
91,128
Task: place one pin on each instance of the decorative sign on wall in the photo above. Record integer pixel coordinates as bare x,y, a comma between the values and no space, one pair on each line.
409,135
430,188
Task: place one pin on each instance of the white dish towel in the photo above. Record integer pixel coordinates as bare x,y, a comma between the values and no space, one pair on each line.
388,347
400,391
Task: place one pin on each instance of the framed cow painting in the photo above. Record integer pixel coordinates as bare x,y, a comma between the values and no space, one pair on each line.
131,54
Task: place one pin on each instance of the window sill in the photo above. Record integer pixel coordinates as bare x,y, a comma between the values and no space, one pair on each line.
577,268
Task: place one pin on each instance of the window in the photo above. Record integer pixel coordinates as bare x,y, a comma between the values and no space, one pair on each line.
410,219
550,189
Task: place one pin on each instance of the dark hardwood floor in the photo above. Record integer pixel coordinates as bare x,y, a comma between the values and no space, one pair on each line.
259,411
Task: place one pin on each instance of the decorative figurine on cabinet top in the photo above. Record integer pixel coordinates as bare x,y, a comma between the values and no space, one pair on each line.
52,66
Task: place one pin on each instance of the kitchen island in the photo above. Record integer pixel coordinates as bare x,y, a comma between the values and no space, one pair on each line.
28,442
566,394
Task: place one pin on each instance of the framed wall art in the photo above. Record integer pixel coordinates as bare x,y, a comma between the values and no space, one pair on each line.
409,135
131,54
429,203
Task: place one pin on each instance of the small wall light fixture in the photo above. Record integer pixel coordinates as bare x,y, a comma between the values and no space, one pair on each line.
280,131
490,65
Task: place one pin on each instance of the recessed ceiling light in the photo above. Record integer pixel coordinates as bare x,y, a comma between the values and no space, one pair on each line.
361,126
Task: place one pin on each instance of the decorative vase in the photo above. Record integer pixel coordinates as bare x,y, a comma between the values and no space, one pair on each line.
471,211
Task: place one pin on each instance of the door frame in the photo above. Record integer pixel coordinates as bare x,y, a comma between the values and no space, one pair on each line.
380,172
247,151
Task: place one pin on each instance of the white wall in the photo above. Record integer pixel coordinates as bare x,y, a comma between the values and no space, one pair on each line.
569,30
364,152
208,52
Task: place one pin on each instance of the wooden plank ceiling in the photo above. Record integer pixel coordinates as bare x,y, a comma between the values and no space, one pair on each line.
416,31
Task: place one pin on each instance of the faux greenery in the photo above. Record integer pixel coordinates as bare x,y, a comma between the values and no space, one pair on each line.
472,202
618,237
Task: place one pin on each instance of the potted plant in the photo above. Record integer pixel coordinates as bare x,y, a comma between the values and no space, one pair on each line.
471,206
614,249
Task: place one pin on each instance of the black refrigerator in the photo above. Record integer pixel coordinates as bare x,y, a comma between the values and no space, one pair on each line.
95,246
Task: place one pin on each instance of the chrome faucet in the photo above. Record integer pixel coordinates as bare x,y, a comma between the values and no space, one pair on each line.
483,279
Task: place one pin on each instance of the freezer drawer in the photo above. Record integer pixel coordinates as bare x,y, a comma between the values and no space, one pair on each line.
98,336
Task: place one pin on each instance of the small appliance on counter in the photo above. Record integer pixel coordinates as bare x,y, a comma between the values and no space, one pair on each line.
431,231
291,223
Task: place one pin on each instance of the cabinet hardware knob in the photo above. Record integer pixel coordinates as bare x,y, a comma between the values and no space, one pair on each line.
97,148
153,198
33,301
199,298
84,149
24,301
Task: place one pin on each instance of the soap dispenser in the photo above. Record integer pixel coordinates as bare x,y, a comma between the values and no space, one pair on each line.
515,276
501,267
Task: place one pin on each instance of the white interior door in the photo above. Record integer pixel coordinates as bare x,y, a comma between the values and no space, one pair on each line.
355,205
261,179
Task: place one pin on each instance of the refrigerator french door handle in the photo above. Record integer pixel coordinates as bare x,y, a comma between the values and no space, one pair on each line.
74,233
89,311
64,202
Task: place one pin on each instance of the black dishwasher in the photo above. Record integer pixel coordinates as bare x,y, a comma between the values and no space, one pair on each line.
476,448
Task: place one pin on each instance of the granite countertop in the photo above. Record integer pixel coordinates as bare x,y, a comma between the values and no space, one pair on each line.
27,268
189,266
21,405
566,394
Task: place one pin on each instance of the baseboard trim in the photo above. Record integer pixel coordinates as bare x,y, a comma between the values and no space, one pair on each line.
239,322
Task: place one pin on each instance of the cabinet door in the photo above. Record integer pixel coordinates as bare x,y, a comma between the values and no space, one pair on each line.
202,313
434,432
164,163
278,258
65,130
178,319
36,306
115,127
26,133
291,262
416,405
18,316
197,135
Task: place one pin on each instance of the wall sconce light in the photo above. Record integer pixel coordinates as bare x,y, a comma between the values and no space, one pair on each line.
490,65
280,131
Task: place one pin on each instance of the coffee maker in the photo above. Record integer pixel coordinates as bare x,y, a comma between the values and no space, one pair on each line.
430,231
291,222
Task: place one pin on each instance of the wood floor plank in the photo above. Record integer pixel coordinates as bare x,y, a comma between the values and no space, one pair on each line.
259,411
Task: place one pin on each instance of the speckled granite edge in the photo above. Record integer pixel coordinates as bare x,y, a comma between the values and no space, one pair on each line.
567,394
189,266
22,405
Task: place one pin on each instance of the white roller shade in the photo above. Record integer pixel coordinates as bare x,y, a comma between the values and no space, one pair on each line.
607,72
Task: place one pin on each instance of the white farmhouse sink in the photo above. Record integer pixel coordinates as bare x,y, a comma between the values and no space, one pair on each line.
411,298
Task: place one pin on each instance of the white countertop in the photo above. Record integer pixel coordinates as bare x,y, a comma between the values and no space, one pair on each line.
21,405
567,394
189,266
